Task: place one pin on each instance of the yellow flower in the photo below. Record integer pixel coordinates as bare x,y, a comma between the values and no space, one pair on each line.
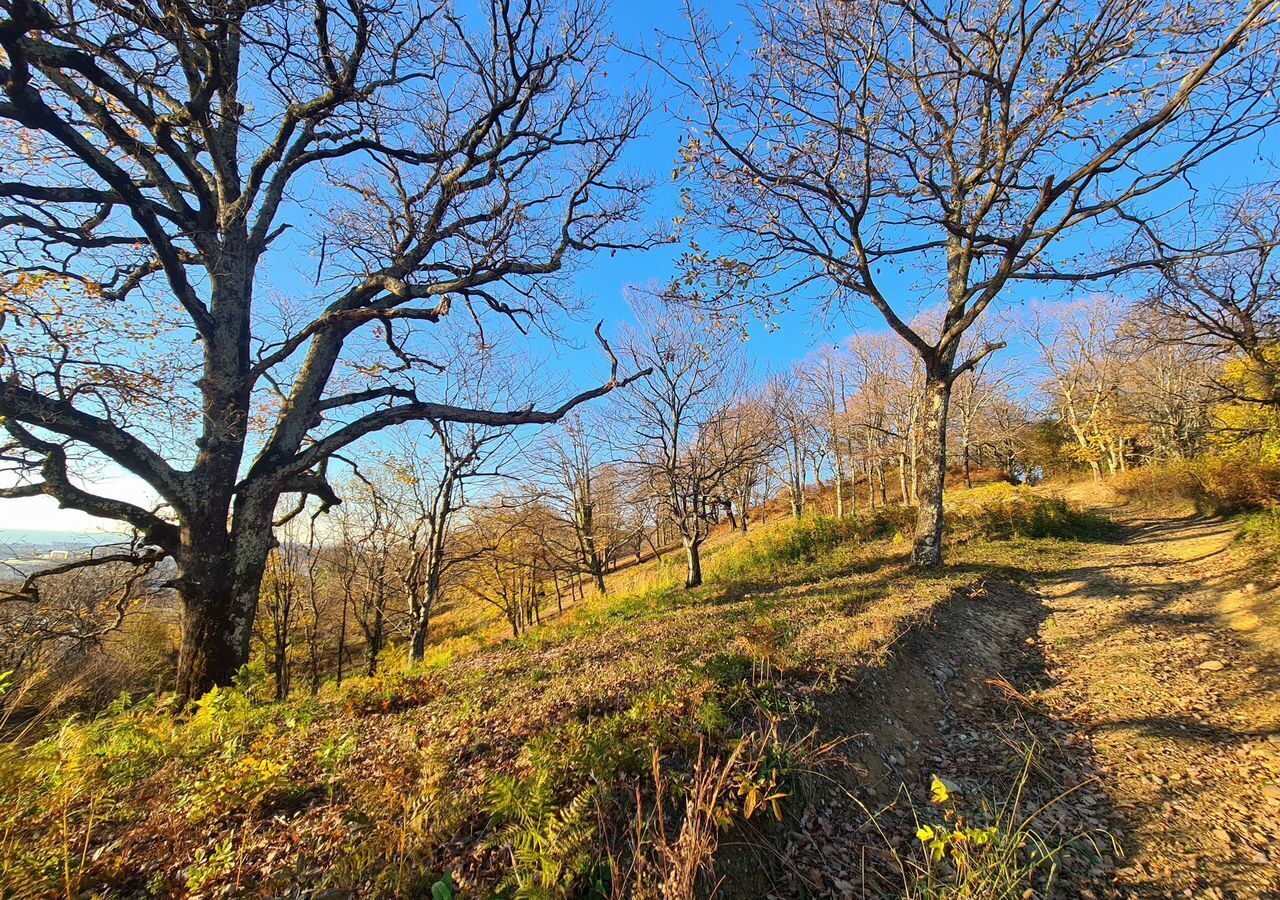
925,832
941,790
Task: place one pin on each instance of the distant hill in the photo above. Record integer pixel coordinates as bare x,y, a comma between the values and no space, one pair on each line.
27,540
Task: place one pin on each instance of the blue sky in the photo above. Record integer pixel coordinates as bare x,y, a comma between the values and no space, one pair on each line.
575,362
638,26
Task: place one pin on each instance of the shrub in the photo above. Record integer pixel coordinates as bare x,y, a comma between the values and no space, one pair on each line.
1026,515
1262,526
1215,485
809,539
1234,484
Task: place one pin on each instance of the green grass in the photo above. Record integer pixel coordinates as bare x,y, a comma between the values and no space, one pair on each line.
1000,511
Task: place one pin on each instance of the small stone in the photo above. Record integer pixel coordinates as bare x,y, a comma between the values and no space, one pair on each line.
1212,665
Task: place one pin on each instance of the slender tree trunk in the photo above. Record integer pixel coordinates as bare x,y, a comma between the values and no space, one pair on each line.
693,552
281,660
914,469
964,438
597,573
839,486
927,552
342,634
420,611
375,641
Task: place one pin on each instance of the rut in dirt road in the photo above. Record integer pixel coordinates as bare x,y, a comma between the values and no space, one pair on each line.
1160,649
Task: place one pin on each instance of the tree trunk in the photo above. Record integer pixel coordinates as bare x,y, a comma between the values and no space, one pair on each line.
927,552
420,612
213,647
964,437
375,641
281,663
218,588
693,550
421,625
342,635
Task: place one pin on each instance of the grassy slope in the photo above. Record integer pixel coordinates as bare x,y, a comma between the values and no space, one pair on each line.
516,765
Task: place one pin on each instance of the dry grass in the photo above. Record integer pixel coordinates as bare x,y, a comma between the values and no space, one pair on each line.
482,763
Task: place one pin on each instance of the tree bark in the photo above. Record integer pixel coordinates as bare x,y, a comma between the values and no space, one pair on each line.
218,599
927,552
693,552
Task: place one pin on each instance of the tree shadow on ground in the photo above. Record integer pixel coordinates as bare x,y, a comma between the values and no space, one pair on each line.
953,700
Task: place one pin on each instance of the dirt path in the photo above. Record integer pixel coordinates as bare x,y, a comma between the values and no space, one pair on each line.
1160,651
1142,681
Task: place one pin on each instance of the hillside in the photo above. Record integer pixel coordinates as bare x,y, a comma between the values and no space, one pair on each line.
609,749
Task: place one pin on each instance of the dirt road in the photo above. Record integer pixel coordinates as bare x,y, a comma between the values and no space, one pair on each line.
1137,682
1161,651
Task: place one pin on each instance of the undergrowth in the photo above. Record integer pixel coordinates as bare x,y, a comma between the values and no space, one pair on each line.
601,755
1001,511
1214,485
980,846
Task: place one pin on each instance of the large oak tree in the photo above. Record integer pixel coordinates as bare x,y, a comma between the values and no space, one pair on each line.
170,167
960,144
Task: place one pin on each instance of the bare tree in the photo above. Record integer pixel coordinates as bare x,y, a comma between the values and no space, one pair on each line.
288,584
1082,346
1168,396
432,161
514,565
962,141
883,410
743,437
972,395
796,435
66,612
1227,297
694,372
824,376
574,460
430,474
362,557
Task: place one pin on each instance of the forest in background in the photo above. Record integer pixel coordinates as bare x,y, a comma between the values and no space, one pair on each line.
403,607
495,528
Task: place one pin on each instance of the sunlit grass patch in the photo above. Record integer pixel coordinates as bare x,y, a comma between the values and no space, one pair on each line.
1003,511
